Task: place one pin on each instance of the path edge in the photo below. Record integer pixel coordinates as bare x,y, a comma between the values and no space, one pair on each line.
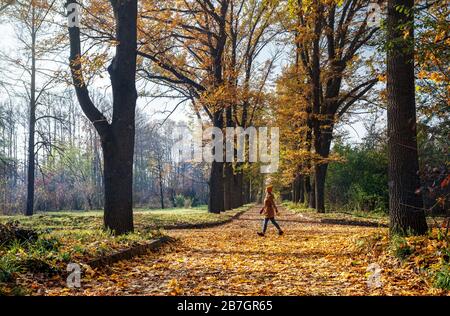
131,252
206,225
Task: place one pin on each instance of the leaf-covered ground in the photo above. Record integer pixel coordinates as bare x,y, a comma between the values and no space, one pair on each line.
65,237
312,258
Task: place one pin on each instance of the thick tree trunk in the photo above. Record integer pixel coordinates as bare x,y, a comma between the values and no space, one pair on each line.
118,180
248,197
320,176
216,191
31,165
117,138
31,158
322,147
216,179
316,98
228,186
405,205
240,188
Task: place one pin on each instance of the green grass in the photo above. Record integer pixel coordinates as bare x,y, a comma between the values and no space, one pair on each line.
144,219
442,278
360,216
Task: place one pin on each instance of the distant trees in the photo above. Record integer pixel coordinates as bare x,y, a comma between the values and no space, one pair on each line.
160,175
207,52
405,201
184,43
31,19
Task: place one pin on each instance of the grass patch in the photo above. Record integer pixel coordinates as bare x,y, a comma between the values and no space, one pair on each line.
400,247
144,219
359,216
442,278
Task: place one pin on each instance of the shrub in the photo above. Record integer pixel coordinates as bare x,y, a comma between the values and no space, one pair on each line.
442,278
8,267
187,202
360,182
179,200
44,245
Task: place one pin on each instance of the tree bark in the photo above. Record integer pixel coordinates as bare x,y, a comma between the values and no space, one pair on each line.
239,188
216,185
228,186
312,193
118,180
228,168
32,123
405,205
320,175
298,193
216,191
301,189
322,147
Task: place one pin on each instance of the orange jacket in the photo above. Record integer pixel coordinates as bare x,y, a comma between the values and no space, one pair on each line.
269,208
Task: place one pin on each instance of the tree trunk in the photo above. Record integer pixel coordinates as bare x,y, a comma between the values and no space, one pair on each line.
247,185
216,185
294,191
312,193
161,189
216,191
405,205
301,190
118,182
298,194
118,137
228,186
320,175
322,146
32,124
239,188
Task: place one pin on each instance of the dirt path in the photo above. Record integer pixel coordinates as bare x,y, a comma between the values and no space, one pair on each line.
310,259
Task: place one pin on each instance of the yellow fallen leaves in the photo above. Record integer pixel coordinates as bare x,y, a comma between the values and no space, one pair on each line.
312,258
174,287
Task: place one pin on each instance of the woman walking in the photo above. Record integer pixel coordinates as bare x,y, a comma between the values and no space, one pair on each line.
269,210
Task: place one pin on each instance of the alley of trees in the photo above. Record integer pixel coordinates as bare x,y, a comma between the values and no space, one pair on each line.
88,110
